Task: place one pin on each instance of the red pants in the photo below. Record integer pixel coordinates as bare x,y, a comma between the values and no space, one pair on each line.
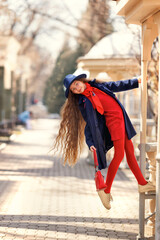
120,146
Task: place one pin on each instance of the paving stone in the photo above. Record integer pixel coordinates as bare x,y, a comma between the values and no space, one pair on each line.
40,199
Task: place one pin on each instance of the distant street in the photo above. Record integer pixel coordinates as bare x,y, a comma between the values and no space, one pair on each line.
42,200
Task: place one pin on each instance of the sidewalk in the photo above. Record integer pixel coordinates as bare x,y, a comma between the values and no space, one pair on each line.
42,200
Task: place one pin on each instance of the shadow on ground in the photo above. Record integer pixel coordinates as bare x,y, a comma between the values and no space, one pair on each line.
56,169
67,224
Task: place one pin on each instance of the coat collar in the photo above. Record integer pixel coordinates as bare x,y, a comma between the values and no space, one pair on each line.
101,86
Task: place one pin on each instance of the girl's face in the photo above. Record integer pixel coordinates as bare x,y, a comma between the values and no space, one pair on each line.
78,87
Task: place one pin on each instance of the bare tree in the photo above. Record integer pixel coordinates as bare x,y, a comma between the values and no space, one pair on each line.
26,20
94,24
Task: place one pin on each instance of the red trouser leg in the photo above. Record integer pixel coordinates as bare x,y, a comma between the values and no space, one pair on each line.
119,146
132,162
113,167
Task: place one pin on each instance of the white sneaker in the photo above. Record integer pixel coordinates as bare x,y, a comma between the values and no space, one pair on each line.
106,198
146,188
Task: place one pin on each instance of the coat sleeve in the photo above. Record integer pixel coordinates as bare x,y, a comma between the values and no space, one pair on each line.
87,131
88,136
119,86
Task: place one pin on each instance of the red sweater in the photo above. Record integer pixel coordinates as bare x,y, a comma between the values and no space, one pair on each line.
112,112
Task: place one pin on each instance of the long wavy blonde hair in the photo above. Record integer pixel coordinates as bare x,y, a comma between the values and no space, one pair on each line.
70,137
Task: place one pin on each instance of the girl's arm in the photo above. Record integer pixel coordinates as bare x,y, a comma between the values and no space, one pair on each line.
122,85
87,131
88,136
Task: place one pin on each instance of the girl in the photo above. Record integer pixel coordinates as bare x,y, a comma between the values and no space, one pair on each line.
93,105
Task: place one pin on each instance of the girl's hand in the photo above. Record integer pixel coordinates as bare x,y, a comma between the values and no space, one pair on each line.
140,79
92,148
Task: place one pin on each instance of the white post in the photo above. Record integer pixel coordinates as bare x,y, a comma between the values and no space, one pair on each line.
142,145
157,232
151,149
143,129
145,55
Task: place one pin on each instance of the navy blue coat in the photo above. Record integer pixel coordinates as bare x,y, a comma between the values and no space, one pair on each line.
96,132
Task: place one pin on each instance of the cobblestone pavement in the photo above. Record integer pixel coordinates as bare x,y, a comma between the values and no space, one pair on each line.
42,200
